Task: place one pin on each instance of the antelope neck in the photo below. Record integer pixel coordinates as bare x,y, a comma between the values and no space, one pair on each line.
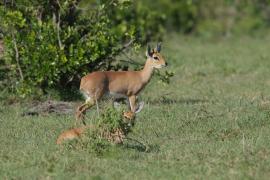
146,72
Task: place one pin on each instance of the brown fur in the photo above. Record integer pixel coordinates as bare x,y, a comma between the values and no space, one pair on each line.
71,134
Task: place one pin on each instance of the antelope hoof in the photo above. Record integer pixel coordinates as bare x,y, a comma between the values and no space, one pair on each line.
129,115
139,107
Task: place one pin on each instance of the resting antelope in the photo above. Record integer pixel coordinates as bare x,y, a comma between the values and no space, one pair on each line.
126,84
74,133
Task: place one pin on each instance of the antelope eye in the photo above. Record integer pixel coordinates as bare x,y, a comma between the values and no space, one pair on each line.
156,58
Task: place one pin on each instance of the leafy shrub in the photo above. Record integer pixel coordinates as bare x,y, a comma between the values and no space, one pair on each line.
109,129
52,45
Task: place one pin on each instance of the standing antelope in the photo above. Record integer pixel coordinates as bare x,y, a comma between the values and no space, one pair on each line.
119,83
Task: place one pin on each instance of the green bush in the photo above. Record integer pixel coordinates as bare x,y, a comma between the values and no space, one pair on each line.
98,138
51,45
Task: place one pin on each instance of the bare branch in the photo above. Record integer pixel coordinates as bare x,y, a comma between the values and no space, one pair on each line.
117,52
58,31
17,56
131,62
120,50
58,28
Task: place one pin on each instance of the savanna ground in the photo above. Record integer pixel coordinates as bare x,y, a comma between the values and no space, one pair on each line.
211,122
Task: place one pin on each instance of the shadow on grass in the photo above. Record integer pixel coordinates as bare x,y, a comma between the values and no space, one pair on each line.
139,146
166,100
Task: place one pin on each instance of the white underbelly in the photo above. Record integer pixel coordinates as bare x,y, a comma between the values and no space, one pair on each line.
105,96
117,95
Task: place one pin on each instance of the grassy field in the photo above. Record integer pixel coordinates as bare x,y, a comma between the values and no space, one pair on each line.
211,122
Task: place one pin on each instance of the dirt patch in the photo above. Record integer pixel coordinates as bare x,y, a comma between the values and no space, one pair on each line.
50,106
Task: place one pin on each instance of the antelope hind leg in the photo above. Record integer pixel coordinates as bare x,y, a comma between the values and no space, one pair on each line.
78,114
81,110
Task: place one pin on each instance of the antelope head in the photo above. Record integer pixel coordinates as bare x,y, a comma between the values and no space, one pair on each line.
154,56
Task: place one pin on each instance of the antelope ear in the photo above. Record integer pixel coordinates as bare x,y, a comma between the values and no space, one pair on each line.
158,48
148,51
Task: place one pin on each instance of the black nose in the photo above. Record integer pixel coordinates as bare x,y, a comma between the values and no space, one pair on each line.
166,64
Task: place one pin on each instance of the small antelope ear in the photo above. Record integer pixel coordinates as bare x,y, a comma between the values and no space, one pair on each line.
148,51
158,47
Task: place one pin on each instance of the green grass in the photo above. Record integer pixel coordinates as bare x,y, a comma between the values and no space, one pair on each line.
211,122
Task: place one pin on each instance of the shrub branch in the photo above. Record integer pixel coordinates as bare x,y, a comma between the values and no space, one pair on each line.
17,56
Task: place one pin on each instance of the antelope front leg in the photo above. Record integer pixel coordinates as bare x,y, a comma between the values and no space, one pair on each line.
132,103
